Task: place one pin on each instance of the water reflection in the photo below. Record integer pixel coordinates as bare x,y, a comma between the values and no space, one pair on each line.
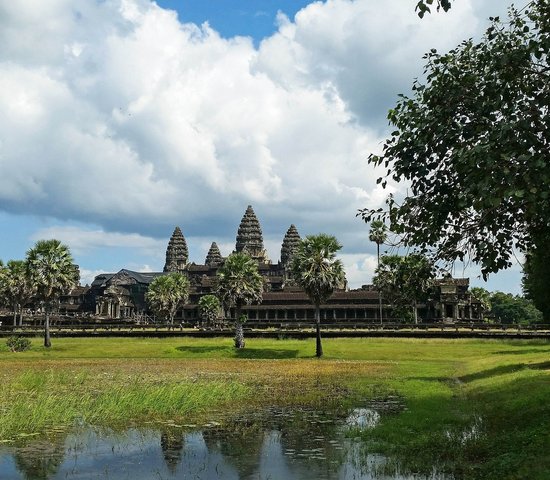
272,444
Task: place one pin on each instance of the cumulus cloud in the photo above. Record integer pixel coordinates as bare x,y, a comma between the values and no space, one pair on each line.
82,241
116,114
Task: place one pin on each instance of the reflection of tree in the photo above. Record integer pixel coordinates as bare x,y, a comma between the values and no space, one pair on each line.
240,443
40,459
171,443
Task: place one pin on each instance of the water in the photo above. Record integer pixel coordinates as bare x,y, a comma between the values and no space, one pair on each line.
270,444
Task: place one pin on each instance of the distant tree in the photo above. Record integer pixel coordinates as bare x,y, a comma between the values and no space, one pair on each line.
52,273
405,282
16,287
472,145
378,234
508,308
482,296
316,269
167,294
209,309
239,283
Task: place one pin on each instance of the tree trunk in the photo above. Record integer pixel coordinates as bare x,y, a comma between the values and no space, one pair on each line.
415,313
379,291
47,341
15,315
318,345
239,334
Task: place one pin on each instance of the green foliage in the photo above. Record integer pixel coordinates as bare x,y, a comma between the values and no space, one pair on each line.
483,296
209,308
18,344
378,232
508,308
51,269
536,278
316,269
16,287
404,282
472,143
239,283
167,294
52,272
423,6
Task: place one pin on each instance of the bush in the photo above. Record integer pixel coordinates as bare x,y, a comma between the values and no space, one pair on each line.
18,344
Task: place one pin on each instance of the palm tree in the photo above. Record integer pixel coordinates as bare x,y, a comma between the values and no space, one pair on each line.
17,287
209,309
167,294
239,283
316,269
52,272
378,234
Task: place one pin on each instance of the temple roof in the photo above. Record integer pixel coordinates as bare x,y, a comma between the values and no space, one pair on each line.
249,236
146,278
214,257
290,245
177,253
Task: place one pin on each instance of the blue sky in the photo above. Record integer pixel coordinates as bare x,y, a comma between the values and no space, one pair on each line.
122,119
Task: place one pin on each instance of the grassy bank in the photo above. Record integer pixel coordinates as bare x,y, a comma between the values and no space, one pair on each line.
479,409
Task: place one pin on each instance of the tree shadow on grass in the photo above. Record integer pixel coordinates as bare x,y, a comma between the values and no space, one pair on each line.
520,352
491,372
503,370
253,353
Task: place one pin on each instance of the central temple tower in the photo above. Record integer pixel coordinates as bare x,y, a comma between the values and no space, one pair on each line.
249,237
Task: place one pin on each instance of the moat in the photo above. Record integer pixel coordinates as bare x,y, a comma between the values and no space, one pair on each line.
270,444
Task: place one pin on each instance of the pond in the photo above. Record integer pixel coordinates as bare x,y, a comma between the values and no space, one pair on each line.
273,444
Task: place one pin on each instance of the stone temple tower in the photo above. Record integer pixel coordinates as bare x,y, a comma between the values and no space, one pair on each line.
177,253
290,245
213,257
249,237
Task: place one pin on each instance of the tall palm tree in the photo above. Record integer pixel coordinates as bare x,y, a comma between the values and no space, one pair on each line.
167,294
51,270
209,309
17,287
316,269
378,234
239,283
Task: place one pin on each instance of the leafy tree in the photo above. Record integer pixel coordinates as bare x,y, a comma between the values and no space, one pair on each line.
52,272
508,308
16,287
316,269
167,294
483,296
209,309
472,143
378,234
536,278
239,283
405,282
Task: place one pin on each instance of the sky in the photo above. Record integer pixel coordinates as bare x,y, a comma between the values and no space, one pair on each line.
120,119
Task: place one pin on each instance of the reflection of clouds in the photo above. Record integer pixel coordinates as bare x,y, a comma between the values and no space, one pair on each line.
275,444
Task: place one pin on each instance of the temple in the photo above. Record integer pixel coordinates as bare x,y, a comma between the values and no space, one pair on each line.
122,294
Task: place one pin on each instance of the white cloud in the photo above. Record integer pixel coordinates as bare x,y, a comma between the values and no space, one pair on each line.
82,241
116,114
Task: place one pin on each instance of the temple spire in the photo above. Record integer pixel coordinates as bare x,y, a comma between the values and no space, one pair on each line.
214,257
290,245
177,253
249,237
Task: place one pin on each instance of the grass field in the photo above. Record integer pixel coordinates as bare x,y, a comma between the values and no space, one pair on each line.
479,409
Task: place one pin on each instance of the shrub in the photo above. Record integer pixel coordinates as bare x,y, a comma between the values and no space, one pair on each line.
18,344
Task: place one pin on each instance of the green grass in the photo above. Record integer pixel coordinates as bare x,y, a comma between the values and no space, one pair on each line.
478,409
